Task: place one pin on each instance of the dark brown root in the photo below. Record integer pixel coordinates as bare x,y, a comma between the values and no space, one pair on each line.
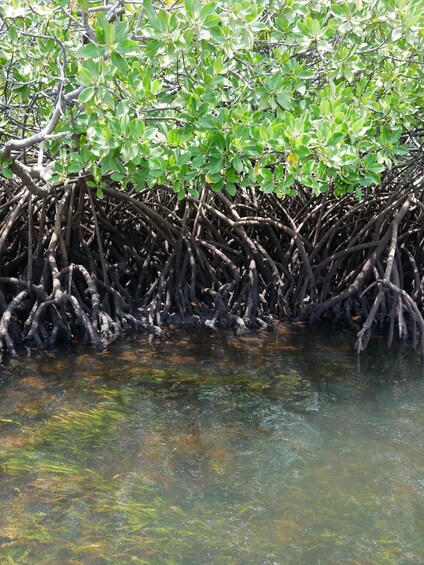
74,267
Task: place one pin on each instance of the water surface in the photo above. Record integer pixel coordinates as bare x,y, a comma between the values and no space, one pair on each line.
209,447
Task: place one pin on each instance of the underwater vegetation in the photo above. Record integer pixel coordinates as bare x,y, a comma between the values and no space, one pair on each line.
173,453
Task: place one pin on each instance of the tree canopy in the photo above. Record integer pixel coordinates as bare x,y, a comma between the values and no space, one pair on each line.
266,93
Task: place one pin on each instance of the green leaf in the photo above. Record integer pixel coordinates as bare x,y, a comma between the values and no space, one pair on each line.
394,137
284,99
207,9
370,179
110,33
266,174
193,8
183,159
7,173
218,65
108,98
375,168
119,62
288,181
85,78
127,47
122,108
336,138
198,161
193,192
238,164
309,181
268,188
212,22
118,177
150,11
357,126
325,107
215,166
156,173
90,51
93,68
231,189
87,94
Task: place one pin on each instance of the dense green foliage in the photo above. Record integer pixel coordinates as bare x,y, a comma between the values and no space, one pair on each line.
258,93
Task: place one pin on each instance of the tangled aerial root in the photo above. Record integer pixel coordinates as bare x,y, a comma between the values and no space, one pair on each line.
72,266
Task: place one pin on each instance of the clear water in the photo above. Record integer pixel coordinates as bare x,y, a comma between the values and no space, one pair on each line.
213,448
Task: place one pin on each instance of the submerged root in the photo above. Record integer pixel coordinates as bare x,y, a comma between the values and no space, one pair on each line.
91,270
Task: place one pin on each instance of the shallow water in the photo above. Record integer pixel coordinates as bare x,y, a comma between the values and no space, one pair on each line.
207,447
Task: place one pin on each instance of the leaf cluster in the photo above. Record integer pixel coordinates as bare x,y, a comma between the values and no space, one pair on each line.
265,93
